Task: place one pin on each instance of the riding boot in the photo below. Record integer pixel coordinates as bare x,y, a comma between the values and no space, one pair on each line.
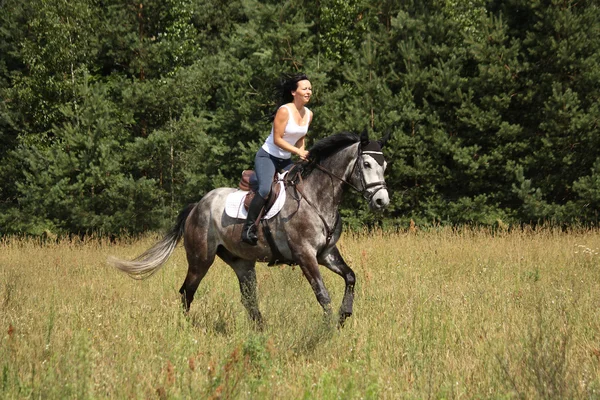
249,229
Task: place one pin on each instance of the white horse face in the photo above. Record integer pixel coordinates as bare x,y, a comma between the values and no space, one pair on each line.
373,181
371,167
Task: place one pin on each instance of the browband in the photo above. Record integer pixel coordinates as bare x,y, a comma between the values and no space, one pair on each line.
375,153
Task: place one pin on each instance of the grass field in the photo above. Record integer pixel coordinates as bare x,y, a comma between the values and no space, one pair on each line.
444,314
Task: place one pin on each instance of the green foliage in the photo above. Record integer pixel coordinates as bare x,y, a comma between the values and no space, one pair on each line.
114,115
335,16
77,183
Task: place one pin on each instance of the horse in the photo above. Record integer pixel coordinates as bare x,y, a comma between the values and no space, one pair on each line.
303,233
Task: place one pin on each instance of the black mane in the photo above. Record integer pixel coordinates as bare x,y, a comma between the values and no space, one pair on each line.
332,144
325,148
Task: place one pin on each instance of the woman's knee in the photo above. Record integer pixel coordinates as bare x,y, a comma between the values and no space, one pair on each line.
265,170
263,189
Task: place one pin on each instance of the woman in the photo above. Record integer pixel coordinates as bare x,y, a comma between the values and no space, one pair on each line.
290,125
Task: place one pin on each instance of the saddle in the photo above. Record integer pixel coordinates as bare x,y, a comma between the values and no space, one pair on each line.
249,182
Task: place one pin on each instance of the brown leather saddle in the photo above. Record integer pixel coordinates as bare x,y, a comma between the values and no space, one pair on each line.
248,183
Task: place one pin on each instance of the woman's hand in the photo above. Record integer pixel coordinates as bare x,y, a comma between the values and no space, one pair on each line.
303,154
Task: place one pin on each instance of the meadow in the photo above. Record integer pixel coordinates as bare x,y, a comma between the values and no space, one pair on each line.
449,313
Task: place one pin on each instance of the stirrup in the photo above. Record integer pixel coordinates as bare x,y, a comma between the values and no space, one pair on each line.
249,235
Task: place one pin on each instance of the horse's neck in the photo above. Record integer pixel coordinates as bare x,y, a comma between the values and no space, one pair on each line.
324,186
342,163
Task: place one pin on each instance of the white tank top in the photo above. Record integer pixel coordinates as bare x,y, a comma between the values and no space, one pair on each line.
291,134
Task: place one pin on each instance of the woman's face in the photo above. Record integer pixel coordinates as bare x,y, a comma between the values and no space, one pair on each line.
303,92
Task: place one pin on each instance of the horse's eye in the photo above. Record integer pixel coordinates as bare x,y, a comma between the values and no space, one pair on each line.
367,164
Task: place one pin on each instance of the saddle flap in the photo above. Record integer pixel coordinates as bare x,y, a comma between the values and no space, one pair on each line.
273,195
236,204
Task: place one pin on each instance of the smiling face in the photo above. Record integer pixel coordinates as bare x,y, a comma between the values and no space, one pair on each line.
303,92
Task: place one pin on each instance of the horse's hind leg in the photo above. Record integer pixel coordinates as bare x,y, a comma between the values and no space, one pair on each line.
200,256
333,260
246,273
197,269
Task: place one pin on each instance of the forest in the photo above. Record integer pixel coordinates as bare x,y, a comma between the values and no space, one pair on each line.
115,114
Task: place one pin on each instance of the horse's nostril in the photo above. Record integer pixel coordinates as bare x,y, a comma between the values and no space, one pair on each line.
379,202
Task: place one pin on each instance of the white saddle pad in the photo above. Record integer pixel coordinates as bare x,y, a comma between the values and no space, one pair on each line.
234,204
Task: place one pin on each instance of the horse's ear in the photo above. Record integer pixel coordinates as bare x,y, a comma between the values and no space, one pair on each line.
364,138
384,139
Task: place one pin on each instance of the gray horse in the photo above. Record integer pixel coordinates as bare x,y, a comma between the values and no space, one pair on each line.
304,232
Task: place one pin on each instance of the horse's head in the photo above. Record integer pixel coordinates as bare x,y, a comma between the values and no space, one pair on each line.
368,172
365,174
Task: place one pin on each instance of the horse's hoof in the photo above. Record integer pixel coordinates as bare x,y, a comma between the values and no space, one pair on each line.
343,318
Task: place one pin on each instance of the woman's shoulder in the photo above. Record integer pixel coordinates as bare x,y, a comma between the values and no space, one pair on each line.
282,114
284,109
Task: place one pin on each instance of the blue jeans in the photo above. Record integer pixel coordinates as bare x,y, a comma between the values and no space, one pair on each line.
265,166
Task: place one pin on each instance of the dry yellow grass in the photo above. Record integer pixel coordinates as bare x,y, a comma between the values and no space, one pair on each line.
444,314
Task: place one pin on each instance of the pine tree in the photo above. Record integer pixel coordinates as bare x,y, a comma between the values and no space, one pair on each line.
556,102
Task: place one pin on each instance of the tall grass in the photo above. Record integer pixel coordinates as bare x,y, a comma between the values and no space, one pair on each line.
441,314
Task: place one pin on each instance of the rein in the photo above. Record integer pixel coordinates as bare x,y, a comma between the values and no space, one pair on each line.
328,230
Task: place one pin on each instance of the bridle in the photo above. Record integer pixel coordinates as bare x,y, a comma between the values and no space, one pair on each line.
364,192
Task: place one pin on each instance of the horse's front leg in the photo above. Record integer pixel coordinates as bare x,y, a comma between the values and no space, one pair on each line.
310,267
334,261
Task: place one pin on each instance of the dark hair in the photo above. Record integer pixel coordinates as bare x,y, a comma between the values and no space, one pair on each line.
283,91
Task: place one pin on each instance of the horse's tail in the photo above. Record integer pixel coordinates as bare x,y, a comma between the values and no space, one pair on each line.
149,262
